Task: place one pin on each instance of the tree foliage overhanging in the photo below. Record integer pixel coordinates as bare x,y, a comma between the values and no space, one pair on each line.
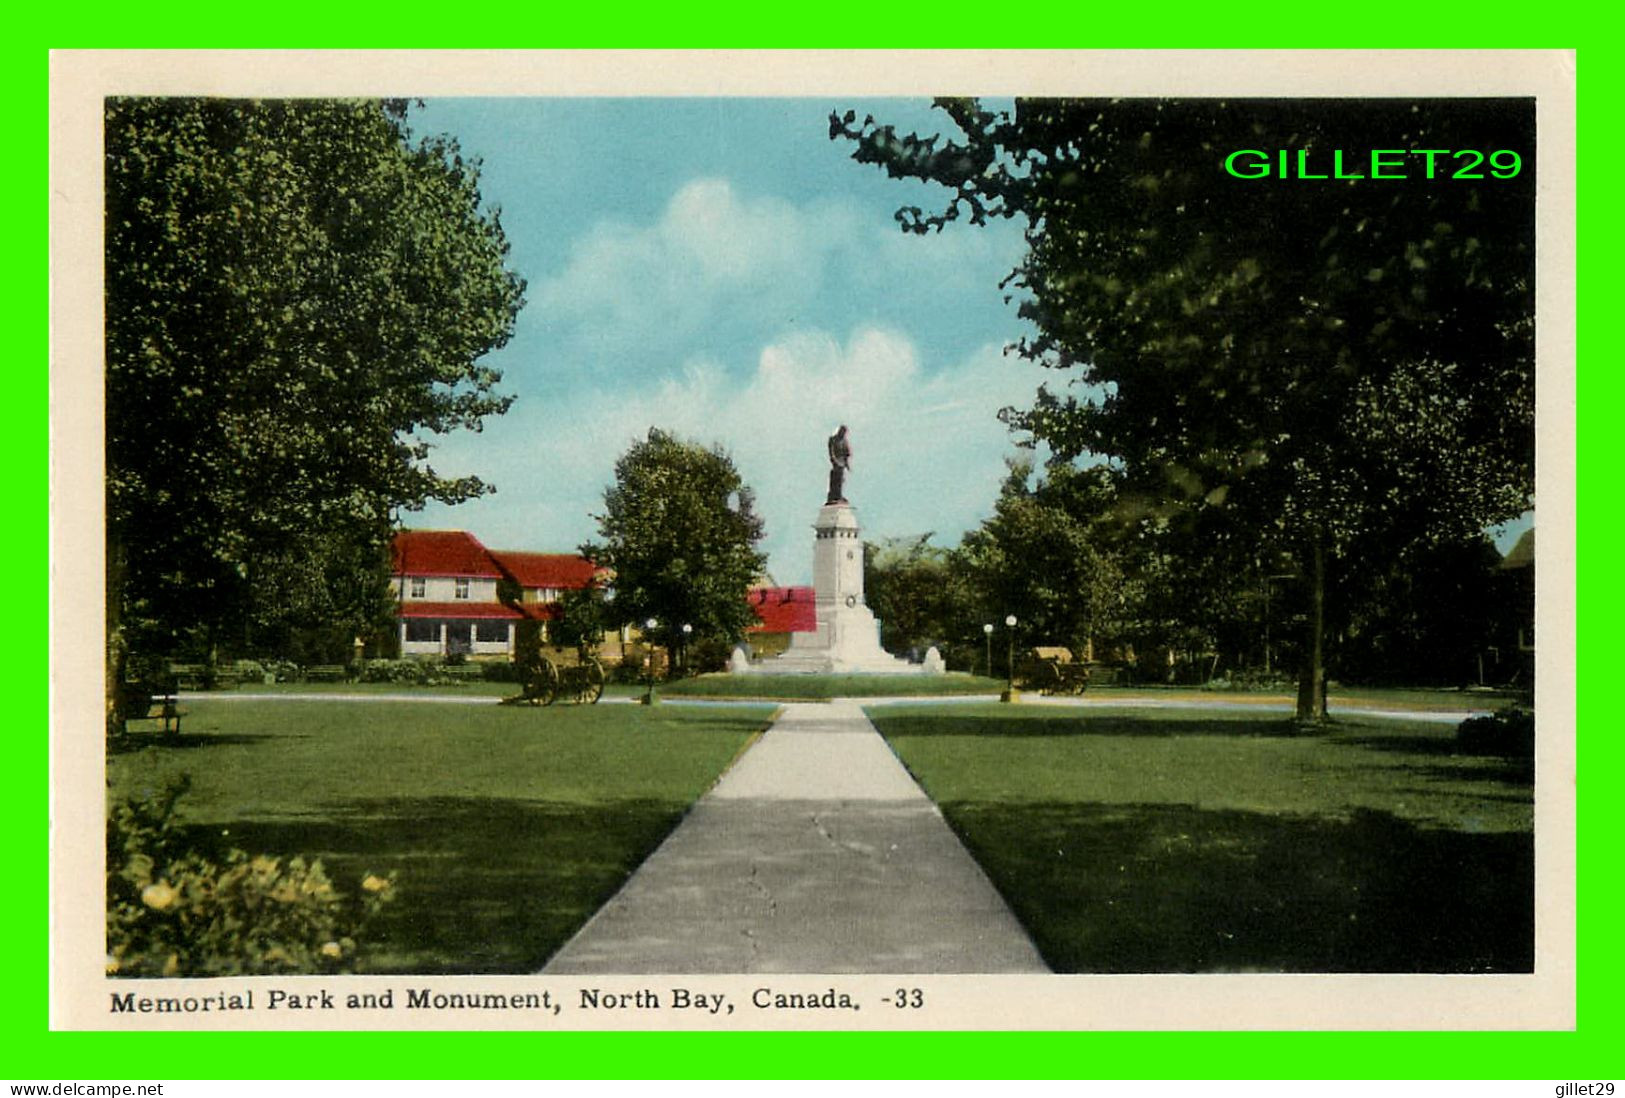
679,534
1335,369
298,294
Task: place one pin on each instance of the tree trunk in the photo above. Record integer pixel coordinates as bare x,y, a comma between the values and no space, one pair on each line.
117,652
1312,677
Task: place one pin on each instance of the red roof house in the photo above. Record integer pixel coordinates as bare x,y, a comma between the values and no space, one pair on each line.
447,582
546,571
783,609
442,553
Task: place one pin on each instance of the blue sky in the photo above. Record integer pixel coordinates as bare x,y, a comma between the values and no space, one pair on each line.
721,269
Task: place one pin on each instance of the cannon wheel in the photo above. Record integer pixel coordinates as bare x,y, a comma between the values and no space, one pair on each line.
550,684
1050,679
590,683
540,680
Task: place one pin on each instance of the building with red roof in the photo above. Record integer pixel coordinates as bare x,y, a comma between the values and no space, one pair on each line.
451,603
450,588
544,577
782,611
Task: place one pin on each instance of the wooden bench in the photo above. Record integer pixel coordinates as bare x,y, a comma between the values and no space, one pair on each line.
193,676
200,676
327,672
157,700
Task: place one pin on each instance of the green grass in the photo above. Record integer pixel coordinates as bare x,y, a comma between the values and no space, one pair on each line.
507,827
1338,697
1142,841
823,687
1422,698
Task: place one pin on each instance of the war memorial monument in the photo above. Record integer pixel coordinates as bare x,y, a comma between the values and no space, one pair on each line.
846,639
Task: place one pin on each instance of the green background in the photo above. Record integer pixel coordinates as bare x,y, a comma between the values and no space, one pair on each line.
32,1052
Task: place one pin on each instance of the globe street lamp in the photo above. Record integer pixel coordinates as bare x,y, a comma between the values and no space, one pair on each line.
649,657
688,631
620,630
1268,582
987,635
1010,668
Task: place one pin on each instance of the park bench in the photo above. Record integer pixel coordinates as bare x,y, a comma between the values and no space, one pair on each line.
190,676
1050,670
201,676
1105,674
153,700
327,672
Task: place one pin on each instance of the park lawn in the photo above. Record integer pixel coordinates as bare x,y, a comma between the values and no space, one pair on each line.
1148,841
506,827
1339,698
824,687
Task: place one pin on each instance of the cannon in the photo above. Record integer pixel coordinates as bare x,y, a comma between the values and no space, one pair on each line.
543,682
1050,670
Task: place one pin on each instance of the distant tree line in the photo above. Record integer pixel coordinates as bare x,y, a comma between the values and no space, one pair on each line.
1057,554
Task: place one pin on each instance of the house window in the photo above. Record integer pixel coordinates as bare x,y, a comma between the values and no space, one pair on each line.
490,632
422,630
462,587
417,587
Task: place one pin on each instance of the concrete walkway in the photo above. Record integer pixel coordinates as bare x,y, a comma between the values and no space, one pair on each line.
815,853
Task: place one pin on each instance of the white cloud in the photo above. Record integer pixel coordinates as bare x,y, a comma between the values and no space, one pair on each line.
637,289
761,325
928,450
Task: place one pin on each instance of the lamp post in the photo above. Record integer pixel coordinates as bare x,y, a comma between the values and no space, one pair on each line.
1010,668
688,631
1268,580
648,637
987,635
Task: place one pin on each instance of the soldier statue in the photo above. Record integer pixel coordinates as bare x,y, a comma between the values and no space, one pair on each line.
840,461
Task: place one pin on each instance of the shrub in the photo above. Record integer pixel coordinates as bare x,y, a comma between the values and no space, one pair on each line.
627,671
432,672
499,671
971,658
1252,678
173,910
280,670
1510,731
708,654
400,671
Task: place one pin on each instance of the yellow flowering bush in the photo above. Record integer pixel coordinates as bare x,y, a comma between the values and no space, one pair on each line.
173,910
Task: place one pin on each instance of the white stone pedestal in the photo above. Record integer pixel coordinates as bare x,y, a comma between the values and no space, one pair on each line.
847,638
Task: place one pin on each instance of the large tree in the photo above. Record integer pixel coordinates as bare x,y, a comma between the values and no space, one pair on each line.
913,589
679,533
1048,555
1331,368
299,294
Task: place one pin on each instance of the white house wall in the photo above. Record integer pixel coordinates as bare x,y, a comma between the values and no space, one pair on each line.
438,646
444,589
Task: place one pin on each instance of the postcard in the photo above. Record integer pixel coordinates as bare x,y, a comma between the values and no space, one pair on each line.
833,541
